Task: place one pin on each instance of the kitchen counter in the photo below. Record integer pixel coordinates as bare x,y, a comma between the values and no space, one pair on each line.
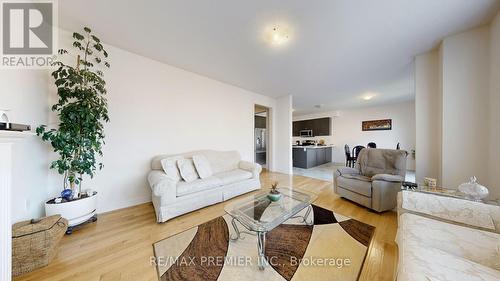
310,156
312,146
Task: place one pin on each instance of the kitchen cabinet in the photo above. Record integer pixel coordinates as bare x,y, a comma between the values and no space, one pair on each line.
328,154
308,157
299,156
296,129
319,126
320,156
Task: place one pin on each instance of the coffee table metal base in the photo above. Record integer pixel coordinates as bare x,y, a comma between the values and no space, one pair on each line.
261,237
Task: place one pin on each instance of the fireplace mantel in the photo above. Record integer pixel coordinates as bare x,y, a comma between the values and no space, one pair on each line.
7,139
13,136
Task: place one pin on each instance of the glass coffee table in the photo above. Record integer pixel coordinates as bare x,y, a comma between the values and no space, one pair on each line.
259,215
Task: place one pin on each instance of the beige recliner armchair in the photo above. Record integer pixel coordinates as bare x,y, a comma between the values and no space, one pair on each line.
375,180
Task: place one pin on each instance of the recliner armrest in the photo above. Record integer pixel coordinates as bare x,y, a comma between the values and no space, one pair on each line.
254,168
161,185
388,177
347,171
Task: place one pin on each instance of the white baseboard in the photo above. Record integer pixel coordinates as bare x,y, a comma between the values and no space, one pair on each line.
112,206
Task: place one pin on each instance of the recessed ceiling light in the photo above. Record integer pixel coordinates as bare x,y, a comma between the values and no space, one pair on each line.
369,96
277,35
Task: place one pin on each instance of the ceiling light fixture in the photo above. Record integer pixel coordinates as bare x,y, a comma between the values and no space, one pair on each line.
369,96
278,35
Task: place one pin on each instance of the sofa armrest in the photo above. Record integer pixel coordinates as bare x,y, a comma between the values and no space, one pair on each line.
254,168
162,186
347,171
342,171
388,177
384,194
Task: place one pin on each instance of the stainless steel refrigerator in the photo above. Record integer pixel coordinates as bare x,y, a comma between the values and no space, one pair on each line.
260,146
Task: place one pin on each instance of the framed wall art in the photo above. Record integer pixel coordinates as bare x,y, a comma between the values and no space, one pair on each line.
377,125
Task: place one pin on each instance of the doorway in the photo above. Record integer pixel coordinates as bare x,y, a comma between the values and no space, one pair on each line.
261,135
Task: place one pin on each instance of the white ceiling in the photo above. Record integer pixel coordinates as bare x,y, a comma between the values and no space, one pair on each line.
338,49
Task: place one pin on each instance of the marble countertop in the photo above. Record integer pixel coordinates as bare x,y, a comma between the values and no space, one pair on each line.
312,146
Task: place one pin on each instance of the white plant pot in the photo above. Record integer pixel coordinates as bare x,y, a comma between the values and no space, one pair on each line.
76,211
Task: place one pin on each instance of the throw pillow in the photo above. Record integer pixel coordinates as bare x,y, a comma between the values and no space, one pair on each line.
186,167
169,166
202,166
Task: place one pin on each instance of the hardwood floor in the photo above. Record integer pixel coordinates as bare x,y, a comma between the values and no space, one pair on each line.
119,245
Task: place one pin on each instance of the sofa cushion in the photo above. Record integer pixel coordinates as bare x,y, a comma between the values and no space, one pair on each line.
222,161
170,168
417,263
373,161
232,176
185,188
431,249
479,246
362,187
187,170
202,166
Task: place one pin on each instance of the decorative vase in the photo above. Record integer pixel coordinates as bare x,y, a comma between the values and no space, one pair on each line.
473,189
274,196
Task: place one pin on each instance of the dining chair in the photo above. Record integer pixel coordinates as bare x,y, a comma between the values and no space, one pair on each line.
349,160
398,146
372,145
355,152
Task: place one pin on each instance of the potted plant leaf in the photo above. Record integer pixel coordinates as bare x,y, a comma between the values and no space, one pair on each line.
82,110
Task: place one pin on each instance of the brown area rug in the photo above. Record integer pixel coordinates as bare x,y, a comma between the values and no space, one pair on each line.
333,248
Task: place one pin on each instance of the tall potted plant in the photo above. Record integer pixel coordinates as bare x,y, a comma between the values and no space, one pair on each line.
82,110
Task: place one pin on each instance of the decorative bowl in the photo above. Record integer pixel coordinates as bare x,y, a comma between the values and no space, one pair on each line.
473,189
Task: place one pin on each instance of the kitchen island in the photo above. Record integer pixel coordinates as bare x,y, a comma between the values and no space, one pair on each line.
312,155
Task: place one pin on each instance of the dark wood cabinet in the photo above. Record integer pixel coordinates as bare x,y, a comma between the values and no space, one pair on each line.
296,129
260,122
320,126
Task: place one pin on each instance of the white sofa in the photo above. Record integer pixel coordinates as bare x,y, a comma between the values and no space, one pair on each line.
231,177
443,238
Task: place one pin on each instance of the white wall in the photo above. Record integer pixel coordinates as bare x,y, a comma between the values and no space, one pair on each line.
467,69
347,129
25,93
494,152
465,78
159,109
428,117
283,132
154,109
